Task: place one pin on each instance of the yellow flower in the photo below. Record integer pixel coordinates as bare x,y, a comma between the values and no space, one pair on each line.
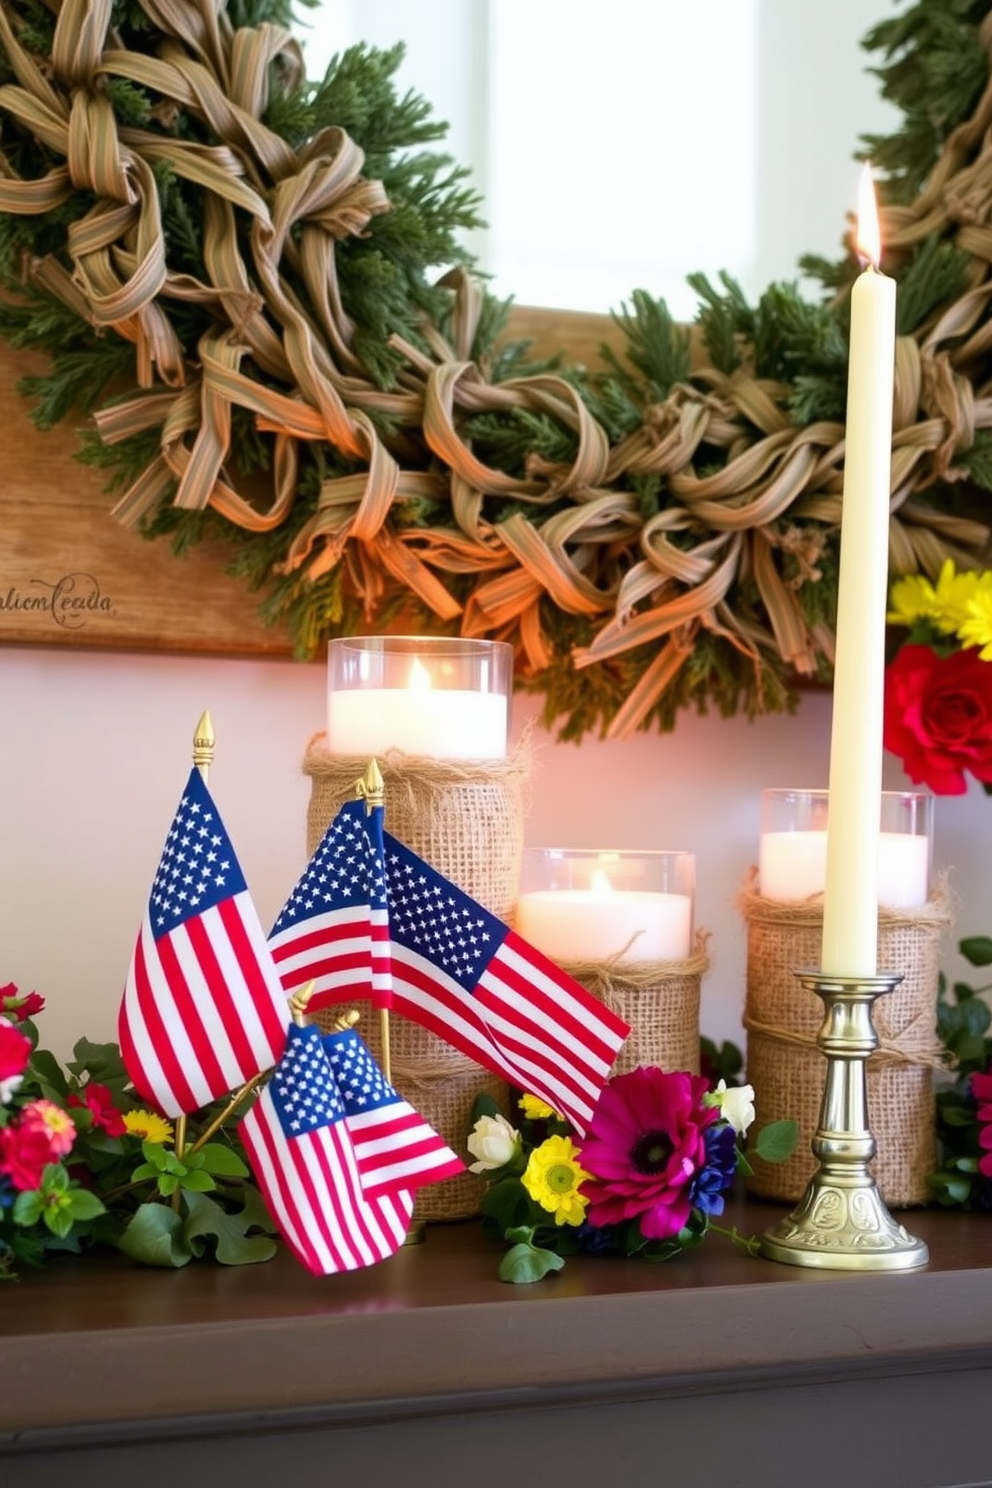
552,1179
953,597
976,628
912,598
535,1109
944,604
148,1126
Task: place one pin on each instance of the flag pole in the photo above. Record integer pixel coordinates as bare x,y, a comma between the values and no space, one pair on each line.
204,741
372,790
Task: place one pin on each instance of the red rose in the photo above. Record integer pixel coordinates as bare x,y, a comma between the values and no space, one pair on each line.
15,1051
98,1101
25,1152
938,717
13,1006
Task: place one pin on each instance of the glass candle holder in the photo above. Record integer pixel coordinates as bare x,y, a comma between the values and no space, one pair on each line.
436,696
596,905
792,854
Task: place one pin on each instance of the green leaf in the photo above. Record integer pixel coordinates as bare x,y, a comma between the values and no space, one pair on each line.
483,1105
82,1204
196,1182
509,1205
235,1246
525,1263
222,1161
155,1237
977,949
156,1159
28,1208
45,1069
777,1141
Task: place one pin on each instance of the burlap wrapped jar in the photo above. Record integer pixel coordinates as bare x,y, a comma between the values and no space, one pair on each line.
660,1002
465,818
786,1068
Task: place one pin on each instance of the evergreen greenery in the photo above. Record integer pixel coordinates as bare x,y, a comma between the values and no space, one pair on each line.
932,66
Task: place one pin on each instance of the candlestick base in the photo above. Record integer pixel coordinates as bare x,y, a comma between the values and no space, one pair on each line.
841,1222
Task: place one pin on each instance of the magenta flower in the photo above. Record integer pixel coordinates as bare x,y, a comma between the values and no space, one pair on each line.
644,1147
981,1091
15,1051
98,1100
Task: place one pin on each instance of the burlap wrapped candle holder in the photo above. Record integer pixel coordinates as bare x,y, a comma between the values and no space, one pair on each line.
786,1068
465,818
660,1001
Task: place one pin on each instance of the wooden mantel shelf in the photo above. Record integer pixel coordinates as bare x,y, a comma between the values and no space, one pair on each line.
235,1370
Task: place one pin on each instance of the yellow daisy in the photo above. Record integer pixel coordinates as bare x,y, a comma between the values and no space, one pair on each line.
976,628
912,598
552,1179
953,597
148,1126
535,1109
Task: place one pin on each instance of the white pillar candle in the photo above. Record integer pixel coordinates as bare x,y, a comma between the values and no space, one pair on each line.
600,923
850,908
444,723
409,694
793,866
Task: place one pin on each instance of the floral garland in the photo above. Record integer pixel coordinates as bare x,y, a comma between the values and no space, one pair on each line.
83,1165
648,1178
248,254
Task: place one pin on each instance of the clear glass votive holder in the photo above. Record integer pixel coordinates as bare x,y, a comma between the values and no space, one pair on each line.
592,904
792,853
441,697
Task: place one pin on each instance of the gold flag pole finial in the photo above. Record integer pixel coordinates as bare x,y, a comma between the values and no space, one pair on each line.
298,1003
204,741
371,788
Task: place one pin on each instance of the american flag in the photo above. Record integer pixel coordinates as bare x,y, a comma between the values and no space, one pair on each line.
202,1010
395,1147
443,960
297,1140
466,975
333,928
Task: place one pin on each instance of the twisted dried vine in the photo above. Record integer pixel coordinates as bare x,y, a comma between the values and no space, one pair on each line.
665,532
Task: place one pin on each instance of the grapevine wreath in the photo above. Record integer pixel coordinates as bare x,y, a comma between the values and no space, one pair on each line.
236,273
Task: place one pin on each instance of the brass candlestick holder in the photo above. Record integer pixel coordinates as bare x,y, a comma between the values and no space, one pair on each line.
841,1222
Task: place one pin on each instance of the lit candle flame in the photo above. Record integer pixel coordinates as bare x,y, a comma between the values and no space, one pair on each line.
600,884
868,237
420,678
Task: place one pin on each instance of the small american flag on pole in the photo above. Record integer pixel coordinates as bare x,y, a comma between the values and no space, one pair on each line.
297,1140
395,1147
333,929
466,975
447,963
203,1010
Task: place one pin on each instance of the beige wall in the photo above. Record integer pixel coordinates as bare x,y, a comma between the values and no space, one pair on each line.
95,748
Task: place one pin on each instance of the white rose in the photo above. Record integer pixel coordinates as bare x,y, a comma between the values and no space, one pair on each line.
7,1088
736,1105
494,1142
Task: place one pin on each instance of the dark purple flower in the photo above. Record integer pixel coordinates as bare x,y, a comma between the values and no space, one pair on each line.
644,1148
716,1177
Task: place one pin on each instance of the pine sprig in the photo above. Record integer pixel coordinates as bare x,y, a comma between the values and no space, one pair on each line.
934,69
657,348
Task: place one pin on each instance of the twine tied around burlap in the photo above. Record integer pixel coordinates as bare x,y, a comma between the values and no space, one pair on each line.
659,1000
786,1067
465,818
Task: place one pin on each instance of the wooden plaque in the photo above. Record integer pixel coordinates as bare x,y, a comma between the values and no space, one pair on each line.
70,575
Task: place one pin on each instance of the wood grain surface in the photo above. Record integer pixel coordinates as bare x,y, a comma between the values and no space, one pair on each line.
70,575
